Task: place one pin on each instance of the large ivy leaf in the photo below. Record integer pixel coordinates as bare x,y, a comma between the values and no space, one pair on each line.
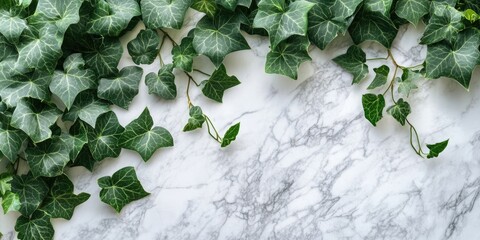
11,139
33,84
436,149
163,83
354,62
381,75
31,192
324,25
103,56
400,111
373,26
144,48
122,89
35,118
111,17
208,7
445,23
74,79
373,106
59,12
183,54
49,158
412,10
10,202
230,135
37,227
121,188
456,60
287,56
196,119
218,83
87,107
164,13
217,37
61,201
104,139
282,21
142,138
12,23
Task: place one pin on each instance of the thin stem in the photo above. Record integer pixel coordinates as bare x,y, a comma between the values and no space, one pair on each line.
210,132
169,37
218,138
420,151
202,72
378,58
189,100
160,52
191,78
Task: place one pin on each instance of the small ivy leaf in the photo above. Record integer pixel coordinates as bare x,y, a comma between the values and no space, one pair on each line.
287,56
144,48
381,6
282,21
354,62
12,23
74,79
457,60
10,202
445,23
183,54
35,118
373,26
103,56
142,138
164,13
122,89
230,135
111,17
87,107
196,119
436,149
163,83
400,111
121,188
31,192
38,226
216,85
5,183
11,139
49,158
406,84
373,106
103,140
61,201
412,11
33,84
61,13
469,14
209,7
217,37
380,77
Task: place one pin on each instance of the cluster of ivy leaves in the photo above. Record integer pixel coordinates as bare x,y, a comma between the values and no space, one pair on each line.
59,78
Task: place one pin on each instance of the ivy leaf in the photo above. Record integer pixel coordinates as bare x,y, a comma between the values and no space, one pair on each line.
10,202
196,119
400,111
142,138
217,37
121,188
373,106
122,89
381,6
406,84
373,26
412,10
35,118
61,201
324,25
48,158
230,135
183,54
436,149
85,159
445,23
111,17
12,23
36,227
11,140
287,56
31,192
163,83
76,140
74,79
33,84
456,60
103,140
87,107
164,13
5,183
216,85
354,62
58,12
144,48
208,7
103,56
380,77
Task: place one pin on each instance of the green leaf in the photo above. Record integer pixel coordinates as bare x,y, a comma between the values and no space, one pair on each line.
230,135
282,21
111,17
103,56
218,83
142,138
31,192
49,158
33,84
436,149
471,15
400,111
10,202
287,56
35,118
324,25
85,159
163,83
217,37
183,54
445,23
144,48
12,23
76,139
196,119
164,13
406,84
380,77
121,188
381,6
373,26
354,62
104,139
59,12
11,139
456,60
122,89
373,106
412,10
208,7
61,201
5,183
74,79
37,227
87,107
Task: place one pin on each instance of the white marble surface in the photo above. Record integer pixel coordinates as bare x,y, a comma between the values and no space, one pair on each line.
306,164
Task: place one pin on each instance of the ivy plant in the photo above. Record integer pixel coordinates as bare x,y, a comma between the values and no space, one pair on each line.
59,77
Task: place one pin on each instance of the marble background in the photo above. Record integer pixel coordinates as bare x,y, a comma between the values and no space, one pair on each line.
306,164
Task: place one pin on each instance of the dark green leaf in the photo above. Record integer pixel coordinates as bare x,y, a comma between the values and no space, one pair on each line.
49,158
144,48
183,54
111,17
164,13
412,10
354,62
11,139
436,149
122,89
380,77
103,140
58,12
287,56
103,56
445,23
373,26
163,83
373,106
196,119
87,107
33,84
324,25
216,85
400,111
37,227
230,135
12,23
31,192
